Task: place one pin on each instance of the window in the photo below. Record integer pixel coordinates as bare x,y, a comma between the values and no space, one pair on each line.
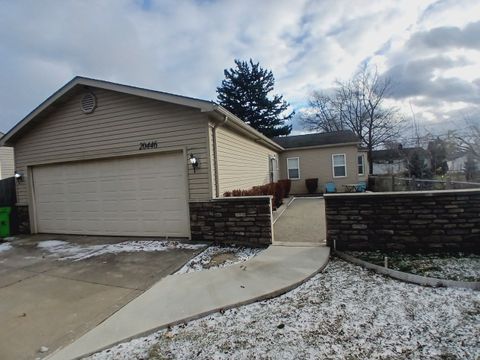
339,165
293,168
361,164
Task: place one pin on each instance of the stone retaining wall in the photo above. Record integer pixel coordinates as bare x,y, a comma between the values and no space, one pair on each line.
233,220
411,221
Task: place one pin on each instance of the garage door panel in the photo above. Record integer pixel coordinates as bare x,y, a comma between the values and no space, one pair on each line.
143,196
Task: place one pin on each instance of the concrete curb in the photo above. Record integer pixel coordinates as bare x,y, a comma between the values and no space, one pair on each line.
282,209
407,277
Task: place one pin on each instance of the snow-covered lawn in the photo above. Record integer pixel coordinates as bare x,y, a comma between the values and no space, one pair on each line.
64,250
218,257
345,312
455,266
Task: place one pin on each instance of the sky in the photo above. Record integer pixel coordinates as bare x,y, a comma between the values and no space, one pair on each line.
430,49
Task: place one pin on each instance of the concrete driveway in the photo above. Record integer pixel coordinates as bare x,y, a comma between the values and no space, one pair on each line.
52,292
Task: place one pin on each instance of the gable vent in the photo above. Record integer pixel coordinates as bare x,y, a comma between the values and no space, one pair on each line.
88,103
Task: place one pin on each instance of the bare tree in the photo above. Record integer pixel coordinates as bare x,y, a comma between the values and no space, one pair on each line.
469,140
357,105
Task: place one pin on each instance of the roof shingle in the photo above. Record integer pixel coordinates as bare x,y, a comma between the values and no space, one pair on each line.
318,139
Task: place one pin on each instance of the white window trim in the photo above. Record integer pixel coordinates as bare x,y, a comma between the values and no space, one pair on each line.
363,164
333,166
298,163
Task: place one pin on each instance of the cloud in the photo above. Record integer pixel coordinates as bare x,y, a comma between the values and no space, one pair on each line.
183,46
447,37
417,78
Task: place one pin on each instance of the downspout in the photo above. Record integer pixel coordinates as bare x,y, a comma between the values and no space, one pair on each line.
215,157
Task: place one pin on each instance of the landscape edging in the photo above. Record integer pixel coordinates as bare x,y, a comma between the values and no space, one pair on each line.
407,277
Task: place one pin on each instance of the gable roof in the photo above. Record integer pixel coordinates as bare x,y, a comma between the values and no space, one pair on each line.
318,139
79,82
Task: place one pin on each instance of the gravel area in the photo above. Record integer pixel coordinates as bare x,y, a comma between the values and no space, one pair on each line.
217,257
453,266
346,312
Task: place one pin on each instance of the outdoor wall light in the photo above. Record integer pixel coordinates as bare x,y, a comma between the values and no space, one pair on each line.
19,176
194,162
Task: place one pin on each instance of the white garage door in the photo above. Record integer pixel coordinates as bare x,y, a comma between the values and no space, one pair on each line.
136,195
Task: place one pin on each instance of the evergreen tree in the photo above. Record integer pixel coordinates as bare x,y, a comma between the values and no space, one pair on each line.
417,167
438,156
245,93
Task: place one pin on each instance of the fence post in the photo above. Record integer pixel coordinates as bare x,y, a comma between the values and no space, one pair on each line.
448,184
413,184
393,183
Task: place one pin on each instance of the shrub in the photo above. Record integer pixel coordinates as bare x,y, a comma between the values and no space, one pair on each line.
274,189
287,185
312,185
278,194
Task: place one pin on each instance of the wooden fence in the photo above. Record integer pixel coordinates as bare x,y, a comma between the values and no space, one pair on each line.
7,192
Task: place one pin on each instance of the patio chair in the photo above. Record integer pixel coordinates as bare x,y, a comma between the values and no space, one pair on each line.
330,187
361,186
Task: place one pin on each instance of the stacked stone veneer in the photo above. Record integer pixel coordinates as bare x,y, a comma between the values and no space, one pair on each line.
19,220
409,221
233,220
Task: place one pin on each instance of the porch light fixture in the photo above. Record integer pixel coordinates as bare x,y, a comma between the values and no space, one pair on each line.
194,162
18,176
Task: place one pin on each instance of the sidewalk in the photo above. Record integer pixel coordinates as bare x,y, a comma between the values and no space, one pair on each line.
302,223
179,298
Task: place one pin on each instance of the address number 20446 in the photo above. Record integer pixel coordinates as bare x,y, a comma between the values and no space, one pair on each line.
146,145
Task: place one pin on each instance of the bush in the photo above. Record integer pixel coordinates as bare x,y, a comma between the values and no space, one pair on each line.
287,185
312,185
278,194
276,190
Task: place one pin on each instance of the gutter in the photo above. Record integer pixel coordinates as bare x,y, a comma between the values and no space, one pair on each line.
215,151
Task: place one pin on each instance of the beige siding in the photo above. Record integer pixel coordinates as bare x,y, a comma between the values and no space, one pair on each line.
116,128
7,168
242,162
317,163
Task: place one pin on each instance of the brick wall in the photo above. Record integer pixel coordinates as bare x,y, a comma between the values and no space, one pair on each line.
410,221
234,220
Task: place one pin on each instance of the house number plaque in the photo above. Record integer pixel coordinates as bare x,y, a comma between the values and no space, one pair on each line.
147,145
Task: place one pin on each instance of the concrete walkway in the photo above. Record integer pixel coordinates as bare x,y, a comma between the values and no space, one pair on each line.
302,223
179,298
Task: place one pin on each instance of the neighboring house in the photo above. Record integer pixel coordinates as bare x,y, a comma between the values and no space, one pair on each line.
101,158
6,161
394,161
330,157
456,162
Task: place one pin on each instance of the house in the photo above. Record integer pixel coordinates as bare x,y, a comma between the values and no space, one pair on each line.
6,161
395,161
330,157
101,158
456,162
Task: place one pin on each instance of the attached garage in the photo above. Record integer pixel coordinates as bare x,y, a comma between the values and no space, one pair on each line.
134,195
99,158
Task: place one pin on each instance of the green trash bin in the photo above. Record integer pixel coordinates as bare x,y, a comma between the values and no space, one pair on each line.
5,221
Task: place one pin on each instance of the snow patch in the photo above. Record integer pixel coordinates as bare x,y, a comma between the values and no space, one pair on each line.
69,251
343,311
5,247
